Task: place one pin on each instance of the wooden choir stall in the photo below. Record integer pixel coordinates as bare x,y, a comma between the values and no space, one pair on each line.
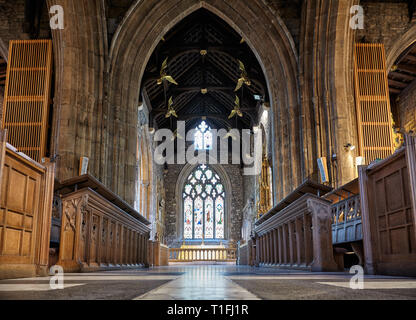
25,213
297,232
99,231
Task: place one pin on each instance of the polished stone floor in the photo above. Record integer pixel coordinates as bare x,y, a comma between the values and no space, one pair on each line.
209,282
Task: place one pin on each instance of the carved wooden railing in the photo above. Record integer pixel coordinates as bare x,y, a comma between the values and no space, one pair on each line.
97,234
202,254
346,220
298,236
25,213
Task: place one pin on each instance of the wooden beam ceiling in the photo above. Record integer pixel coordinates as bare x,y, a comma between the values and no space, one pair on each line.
216,70
403,72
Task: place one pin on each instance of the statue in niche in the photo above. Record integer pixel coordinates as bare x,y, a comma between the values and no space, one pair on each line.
249,215
160,210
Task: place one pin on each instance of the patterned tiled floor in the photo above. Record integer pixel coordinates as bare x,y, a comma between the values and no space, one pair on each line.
208,282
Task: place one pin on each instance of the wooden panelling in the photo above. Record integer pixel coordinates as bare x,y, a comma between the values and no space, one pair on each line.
96,234
388,217
372,102
27,94
25,206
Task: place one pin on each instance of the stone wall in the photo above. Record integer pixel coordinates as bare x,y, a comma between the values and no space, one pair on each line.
171,177
12,17
290,12
407,107
384,22
12,14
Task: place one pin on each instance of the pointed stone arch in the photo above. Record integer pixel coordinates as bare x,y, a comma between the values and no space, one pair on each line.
400,45
148,21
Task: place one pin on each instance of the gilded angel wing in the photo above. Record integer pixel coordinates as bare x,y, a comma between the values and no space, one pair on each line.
242,67
170,79
164,66
237,101
239,84
232,114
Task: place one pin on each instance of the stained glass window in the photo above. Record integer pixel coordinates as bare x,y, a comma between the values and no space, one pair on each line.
204,205
203,137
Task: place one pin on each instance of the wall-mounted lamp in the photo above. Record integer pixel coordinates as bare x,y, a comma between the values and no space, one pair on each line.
349,147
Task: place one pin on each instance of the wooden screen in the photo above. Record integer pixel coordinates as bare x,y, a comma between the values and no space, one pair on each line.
372,102
26,98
